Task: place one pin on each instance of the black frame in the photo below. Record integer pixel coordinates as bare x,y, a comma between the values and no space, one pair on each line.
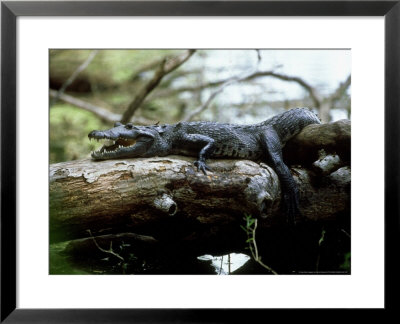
11,10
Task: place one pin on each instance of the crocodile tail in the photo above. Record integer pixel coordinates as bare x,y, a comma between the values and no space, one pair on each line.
291,122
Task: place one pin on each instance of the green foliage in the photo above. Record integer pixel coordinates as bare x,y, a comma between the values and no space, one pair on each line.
60,263
321,240
108,68
250,229
69,127
347,262
112,78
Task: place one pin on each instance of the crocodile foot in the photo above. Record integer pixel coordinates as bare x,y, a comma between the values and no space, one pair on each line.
202,166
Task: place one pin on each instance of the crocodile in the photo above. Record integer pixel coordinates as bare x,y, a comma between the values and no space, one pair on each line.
259,142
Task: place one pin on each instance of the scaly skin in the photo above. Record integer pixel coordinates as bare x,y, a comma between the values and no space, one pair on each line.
260,142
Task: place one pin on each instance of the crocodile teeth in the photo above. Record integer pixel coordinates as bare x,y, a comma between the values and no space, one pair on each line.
108,142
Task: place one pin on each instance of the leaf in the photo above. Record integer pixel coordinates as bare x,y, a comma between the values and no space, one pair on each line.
322,238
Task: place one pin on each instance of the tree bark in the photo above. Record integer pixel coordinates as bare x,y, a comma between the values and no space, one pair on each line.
166,196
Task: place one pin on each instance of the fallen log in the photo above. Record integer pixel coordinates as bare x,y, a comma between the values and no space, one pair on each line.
150,195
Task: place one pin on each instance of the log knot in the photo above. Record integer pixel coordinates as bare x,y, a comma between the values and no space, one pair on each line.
166,204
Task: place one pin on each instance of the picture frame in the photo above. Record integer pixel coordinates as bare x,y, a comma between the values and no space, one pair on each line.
10,11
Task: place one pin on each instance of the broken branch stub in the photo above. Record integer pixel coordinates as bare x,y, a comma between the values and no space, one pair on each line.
166,204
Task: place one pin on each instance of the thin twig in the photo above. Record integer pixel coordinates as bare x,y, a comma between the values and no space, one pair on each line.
74,75
225,84
311,91
203,107
109,251
255,255
347,234
167,66
341,90
259,58
255,74
102,113
258,74
321,240
254,239
251,239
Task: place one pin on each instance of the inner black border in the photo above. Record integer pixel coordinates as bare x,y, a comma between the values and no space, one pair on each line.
11,10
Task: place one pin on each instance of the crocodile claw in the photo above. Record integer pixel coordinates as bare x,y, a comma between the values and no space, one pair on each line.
201,166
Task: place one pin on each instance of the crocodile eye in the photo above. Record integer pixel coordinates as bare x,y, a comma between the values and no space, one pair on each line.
129,126
117,124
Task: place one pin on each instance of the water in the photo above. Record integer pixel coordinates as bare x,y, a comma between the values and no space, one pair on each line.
324,70
226,264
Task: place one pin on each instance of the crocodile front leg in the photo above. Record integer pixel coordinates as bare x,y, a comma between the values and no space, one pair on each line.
271,143
206,150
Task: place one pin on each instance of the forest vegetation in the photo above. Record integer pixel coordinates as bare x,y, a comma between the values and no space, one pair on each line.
92,89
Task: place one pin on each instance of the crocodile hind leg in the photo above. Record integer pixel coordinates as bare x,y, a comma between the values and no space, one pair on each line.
273,155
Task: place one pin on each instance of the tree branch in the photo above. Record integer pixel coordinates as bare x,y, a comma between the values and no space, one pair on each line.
340,91
311,91
203,107
109,251
102,113
167,66
73,76
227,83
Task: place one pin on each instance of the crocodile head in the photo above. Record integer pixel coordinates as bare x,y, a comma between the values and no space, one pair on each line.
123,141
